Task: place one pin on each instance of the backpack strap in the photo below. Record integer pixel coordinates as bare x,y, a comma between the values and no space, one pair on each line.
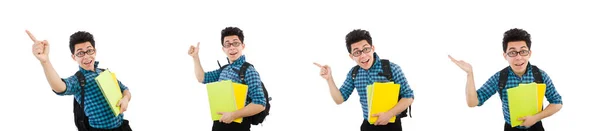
537,75
242,72
502,79
387,70
81,80
354,71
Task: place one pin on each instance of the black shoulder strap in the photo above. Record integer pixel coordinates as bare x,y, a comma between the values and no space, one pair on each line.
81,80
242,72
502,79
354,71
387,70
537,75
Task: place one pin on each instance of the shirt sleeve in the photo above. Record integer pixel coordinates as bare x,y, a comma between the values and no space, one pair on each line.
211,76
122,86
72,86
255,90
488,89
405,90
551,94
348,86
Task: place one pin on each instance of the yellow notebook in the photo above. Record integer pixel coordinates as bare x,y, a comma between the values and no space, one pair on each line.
522,101
383,97
541,90
226,96
108,84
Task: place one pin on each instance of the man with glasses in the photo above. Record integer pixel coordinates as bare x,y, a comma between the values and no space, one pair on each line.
516,46
232,41
368,70
96,108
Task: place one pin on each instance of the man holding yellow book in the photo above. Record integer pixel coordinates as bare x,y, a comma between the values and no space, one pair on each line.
232,42
371,69
97,113
517,81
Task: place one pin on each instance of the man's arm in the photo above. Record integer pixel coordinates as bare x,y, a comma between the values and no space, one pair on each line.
338,95
553,98
255,92
40,50
53,79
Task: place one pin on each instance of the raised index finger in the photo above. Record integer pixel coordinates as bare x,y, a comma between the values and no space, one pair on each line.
31,35
317,64
451,58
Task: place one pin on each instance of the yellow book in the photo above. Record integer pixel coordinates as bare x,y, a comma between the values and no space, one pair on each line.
541,90
240,91
522,101
107,82
226,96
384,96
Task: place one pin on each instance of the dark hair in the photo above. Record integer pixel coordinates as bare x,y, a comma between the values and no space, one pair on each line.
515,34
356,36
80,37
229,31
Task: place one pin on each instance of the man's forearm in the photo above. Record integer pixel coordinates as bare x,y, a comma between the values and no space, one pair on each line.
250,110
401,105
52,77
198,70
548,111
336,95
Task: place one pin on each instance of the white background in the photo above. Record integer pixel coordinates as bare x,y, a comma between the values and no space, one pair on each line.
146,44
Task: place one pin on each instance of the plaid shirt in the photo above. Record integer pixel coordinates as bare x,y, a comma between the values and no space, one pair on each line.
491,87
96,108
368,77
230,72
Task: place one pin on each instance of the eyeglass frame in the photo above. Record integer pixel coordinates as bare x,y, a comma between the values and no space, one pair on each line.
360,52
521,53
234,44
88,52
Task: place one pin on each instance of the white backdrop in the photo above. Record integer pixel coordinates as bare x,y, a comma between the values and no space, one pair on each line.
146,44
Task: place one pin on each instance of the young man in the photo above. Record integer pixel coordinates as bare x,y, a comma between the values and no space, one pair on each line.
96,108
516,46
362,51
232,40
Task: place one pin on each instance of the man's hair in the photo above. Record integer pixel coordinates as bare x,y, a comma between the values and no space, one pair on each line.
356,36
80,37
230,31
516,34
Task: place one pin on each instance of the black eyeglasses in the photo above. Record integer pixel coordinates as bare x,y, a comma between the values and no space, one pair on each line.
82,53
359,52
515,53
235,44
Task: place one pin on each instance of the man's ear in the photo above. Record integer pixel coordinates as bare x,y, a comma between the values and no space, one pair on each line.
505,56
73,56
373,50
243,46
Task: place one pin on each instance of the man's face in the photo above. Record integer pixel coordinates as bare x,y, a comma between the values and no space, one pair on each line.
517,54
85,55
362,53
232,47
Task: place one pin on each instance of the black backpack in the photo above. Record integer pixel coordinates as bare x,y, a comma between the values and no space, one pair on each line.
387,72
260,117
537,78
81,120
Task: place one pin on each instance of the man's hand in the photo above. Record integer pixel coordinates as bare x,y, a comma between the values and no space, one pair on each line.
325,71
40,49
462,64
227,117
383,118
528,121
193,51
123,103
